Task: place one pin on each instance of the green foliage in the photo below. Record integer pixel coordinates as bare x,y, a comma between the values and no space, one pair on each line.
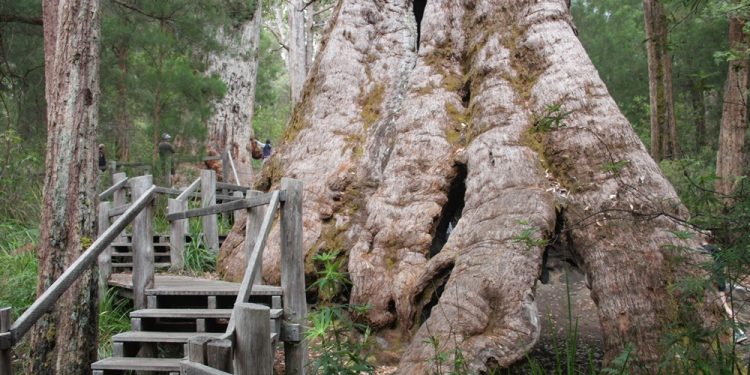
198,259
552,118
113,319
615,167
340,343
529,237
18,274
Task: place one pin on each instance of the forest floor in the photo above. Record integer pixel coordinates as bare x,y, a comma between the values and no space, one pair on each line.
552,302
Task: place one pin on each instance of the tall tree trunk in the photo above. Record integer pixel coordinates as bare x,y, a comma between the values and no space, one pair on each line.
297,50
499,127
122,112
663,124
309,36
729,160
698,101
64,341
231,126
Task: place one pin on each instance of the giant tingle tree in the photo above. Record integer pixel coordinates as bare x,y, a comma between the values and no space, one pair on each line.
488,118
64,341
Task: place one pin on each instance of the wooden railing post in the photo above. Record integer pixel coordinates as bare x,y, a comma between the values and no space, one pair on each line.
252,229
237,213
225,166
293,274
142,244
177,234
118,199
104,260
6,367
208,198
253,353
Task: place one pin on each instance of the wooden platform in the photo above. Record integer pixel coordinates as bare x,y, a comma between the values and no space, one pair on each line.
185,285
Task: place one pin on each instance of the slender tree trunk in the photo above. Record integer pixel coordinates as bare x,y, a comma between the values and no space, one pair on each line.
64,341
231,126
297,50
698,102
663,124
729,160
122,112
394,146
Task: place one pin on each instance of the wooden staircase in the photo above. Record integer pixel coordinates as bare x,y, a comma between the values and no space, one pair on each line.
179,308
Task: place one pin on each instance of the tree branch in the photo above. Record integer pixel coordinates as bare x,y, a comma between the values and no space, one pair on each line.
7,18
277,37
139,11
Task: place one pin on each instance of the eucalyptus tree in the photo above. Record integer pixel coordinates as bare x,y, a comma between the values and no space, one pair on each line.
487,118
64,340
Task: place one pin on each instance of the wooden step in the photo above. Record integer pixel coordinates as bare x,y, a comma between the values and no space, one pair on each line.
128,244
192,313
130,265
138,364
164,337
130,254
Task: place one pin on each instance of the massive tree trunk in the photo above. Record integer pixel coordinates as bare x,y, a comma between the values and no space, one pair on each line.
297,51
730,158
64,341
663,123
230,127
495,124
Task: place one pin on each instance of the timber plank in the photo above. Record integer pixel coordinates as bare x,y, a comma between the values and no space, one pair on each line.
192,313
138,364
165,337
186,285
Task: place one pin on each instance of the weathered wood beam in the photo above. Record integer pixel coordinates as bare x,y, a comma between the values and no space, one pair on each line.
224,185
238,204
104,260
177,235
118,210
112,189
142,244
293,274
189,190
208,199
253,354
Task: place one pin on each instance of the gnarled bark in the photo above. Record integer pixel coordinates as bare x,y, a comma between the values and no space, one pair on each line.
500,94
64,340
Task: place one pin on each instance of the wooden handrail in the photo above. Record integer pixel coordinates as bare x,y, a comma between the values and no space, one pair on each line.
170,191
84,262
112,189
234,171
255,256
224,185
189,190
238,204
119,210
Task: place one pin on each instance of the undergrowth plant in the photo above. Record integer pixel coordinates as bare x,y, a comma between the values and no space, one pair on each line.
113,319
18,274
339,344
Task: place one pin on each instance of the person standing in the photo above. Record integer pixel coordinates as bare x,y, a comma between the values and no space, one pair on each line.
267,150
166,150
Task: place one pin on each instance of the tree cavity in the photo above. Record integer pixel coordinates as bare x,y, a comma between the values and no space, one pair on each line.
452,210
418,9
